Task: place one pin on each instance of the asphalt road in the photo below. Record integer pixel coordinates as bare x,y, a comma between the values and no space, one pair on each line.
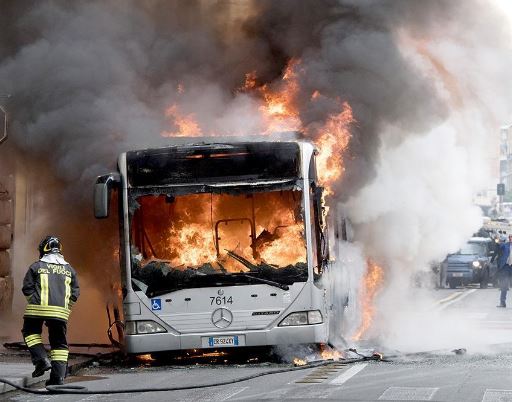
481,375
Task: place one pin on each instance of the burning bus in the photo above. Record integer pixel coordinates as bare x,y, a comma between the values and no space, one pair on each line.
222,245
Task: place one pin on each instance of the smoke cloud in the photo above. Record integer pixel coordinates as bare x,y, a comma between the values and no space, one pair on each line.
91,79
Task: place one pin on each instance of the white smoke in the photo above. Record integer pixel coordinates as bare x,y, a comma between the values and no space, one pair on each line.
343,281
419,206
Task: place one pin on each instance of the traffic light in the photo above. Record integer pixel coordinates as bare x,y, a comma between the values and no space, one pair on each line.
500,188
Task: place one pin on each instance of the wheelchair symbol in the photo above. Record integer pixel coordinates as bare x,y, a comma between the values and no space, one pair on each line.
156,304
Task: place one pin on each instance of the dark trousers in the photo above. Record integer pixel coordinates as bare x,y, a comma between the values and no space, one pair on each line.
32,330
504,282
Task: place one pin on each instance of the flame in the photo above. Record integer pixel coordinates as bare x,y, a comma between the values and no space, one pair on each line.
194,222
186,125
330,354
251,81
299,362
372,283
333,140
272,252
315,95
279,112
213,354
145,358
200,244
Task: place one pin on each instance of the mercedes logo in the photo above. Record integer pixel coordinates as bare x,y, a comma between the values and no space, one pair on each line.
222,318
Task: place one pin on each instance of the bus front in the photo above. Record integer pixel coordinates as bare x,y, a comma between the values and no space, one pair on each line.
221,247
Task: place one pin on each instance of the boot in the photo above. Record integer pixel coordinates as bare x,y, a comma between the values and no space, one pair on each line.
41,366
58,373
54,381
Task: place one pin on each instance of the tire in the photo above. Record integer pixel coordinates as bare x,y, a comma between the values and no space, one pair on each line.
452,284
485,280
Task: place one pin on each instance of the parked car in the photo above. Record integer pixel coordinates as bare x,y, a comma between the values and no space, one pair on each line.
472,264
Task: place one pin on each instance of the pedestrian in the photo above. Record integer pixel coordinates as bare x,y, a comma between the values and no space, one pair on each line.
51,289
504,270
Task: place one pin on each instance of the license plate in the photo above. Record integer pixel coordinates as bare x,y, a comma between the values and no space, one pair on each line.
457,274
223,341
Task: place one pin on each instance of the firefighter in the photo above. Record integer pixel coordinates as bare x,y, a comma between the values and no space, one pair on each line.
51,289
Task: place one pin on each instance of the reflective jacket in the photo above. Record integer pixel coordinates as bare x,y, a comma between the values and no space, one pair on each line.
51,288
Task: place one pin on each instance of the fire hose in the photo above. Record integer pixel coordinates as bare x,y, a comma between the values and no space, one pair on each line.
77,389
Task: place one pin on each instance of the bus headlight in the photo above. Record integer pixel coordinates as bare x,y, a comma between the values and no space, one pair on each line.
476,264
302,318
143,327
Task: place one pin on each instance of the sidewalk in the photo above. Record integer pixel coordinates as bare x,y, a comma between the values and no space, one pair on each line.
15,366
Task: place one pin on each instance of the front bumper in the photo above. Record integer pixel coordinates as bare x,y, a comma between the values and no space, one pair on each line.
306,334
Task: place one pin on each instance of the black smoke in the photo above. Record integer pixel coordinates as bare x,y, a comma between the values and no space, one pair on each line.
93,78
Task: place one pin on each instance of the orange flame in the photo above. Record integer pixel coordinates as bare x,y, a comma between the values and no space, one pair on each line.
299,362
332,143
200,222
279,112
371,285
145,358
186,125
331,354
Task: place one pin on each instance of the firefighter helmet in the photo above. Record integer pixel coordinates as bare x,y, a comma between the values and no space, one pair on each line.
50,244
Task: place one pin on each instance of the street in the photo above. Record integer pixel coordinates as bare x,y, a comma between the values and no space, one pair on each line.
440,375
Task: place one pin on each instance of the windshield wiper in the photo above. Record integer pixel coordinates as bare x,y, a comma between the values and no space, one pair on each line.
266,281
242,260
253,268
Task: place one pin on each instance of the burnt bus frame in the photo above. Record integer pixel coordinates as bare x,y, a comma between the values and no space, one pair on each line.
131,301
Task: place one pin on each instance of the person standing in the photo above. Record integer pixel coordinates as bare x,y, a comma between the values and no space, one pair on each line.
504,270
51,288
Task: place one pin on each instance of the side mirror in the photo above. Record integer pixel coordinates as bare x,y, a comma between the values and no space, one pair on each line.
102,191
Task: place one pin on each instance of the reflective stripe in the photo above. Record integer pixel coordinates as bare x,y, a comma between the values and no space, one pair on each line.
35,310
59,355
67,281
44,289
33,340
32,337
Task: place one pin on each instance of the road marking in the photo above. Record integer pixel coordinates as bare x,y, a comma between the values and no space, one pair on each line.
452,296
408,394
210,395
463,295
497,395
347,375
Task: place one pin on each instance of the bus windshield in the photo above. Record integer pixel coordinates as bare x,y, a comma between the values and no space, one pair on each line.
209,239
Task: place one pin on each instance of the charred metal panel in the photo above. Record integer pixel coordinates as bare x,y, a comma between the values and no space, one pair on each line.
214,163
238,188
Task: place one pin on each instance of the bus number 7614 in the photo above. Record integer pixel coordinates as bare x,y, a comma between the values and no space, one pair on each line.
220,300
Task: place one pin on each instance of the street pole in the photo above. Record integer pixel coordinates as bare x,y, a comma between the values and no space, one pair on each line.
504,154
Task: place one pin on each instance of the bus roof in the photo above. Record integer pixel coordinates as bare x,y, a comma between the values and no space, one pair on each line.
214,162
